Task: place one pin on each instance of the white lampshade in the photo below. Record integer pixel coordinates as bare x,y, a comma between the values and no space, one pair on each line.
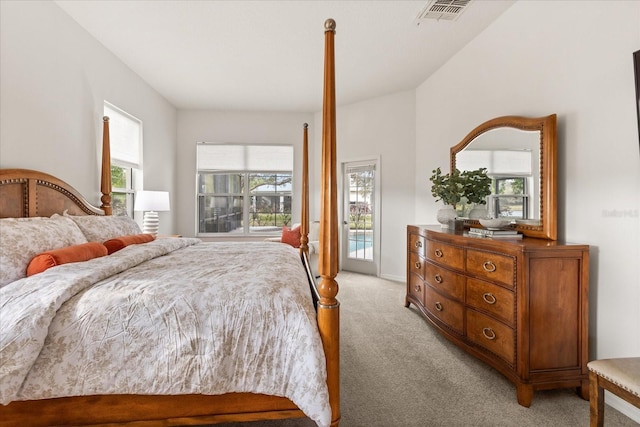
151,202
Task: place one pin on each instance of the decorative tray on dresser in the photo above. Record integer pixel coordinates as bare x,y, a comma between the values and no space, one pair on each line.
520,305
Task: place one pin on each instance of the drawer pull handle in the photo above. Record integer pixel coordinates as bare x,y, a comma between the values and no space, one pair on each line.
438,306
418,244
438,278
488,333
418,265
489,298
489,266
438,253
417,288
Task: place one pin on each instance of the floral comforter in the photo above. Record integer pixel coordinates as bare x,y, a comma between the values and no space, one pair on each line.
173,316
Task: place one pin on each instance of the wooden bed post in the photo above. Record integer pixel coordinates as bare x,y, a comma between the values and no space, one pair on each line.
105,178
328,305
304,220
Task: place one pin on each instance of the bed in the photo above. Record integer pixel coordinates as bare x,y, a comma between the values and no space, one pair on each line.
64,328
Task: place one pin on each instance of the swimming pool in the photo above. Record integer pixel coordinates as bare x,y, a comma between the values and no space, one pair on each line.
359,243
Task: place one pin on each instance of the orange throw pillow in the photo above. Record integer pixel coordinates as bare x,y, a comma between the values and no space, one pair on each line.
291,236
114,245
76,253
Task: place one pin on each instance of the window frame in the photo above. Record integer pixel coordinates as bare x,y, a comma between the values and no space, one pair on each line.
247,196
496,196
270,194
128,191
134,166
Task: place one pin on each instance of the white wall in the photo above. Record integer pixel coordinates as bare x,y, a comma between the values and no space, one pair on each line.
54,78
574,60
381,128
233,127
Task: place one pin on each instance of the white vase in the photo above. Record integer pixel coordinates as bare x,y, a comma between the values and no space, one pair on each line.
446,214
478,211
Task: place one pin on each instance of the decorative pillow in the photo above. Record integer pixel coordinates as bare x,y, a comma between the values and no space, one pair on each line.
23,238
101,228
76,253
291,236
114,245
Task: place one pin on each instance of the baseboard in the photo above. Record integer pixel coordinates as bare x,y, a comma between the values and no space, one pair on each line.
393,278
622,406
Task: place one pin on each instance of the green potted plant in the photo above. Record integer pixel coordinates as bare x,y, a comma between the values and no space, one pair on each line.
458,188
447,188
477,186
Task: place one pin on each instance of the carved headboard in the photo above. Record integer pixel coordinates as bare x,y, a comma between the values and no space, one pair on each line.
29,193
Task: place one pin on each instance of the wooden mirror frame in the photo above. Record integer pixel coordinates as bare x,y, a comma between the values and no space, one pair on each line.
548,228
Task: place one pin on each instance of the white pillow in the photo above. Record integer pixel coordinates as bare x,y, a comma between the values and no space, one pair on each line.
103,228
23,238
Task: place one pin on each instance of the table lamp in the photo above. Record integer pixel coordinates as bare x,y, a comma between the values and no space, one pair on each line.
151,202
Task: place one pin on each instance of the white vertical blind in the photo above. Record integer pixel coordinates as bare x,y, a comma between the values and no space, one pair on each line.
125,132
236,157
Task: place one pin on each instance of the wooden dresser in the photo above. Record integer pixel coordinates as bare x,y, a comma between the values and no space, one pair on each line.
519,305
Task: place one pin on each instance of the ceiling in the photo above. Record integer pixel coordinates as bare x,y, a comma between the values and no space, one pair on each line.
268,55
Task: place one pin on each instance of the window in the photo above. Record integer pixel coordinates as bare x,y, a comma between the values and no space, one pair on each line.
243,189
125,134
510,198
121,189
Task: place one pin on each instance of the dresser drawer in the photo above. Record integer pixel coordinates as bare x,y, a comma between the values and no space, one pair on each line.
441,253
495,267
445,281
416,264
416,288
497,301
417,244
491,334
445,309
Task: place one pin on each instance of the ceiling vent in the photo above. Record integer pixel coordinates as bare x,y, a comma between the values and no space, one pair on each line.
448,10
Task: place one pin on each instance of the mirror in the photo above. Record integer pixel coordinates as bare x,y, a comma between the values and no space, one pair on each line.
519,154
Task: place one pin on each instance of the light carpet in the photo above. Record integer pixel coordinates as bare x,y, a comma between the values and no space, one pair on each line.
398,371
